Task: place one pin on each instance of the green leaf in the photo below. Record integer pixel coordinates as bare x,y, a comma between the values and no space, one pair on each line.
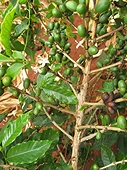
3,58
123,166
14,129
28,152
57,91
59,118
120,35
2,116
122,143
6,30
108,86
45,79
40,121
17,46
82,107
21,27
22,1
107,157
13,2
18,55
1,163
69,31
30,53
14,69
37,2
49,14
102,57
3,129
106,137
57,1
50,134
61,93
56,67
123,11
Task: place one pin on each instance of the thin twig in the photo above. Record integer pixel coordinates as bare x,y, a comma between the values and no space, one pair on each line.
73,89
91,117
105,128
89,109
71,23
100,103
45,103
71,59
113,164
56,125
50,105
61,154
93,87
95,77
109,33
88,137
106,67
67,81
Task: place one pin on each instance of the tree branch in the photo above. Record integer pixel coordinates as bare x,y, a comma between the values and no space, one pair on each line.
48,104
102,130
61,154
109,33
101,103
56,125
113,164
106,67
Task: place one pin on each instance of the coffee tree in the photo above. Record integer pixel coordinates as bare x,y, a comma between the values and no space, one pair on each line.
76,106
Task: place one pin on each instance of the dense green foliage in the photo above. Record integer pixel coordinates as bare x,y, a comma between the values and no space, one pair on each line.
73,92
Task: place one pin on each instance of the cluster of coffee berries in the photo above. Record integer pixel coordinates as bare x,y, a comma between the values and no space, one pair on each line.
109,101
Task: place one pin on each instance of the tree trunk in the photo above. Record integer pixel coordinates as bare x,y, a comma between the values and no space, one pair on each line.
79,117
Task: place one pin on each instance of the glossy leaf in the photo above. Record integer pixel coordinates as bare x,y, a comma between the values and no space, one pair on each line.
83,107
18,55
14,129
61,93
43,120
3,130
102,57
106,137
45,79
6,30
108,86
56,67
14,69
21,27
40,121
107,157
122,143
17,45
60,118
124,165
13,2
28,152
50,134
3,58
